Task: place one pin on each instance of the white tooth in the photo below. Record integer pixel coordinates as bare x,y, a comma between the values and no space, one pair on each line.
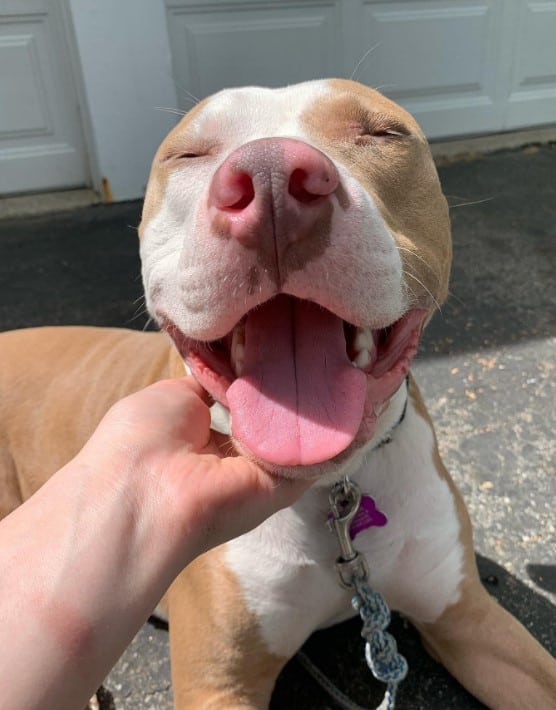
238,335
237,350
362,359
363,340
238,358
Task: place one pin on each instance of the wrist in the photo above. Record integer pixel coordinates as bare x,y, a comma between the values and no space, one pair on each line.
84,583
138,509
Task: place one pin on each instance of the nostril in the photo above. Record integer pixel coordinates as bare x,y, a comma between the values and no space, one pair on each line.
308,187
244,183
297,187
232,192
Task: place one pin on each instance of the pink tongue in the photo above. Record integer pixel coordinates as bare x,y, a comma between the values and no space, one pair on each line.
299,400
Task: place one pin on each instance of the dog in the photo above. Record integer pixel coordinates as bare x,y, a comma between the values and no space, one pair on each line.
294,244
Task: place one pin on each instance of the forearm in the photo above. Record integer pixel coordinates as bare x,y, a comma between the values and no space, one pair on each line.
88,557
69,605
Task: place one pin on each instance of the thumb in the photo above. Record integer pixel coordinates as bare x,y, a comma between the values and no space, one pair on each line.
243,495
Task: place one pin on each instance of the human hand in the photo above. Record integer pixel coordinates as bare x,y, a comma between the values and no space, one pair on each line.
158,442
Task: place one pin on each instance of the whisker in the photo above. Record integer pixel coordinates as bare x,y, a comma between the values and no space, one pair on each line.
452,294
474,202
136,315
360,62
187,94
413,300
385,86
176,111
140,304
149,321
418,256
412,276
139,311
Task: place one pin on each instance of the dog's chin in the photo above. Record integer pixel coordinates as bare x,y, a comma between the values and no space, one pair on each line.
324,473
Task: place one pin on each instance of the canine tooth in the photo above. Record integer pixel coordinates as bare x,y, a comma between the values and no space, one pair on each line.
237,350
238,334
363,340
238,358
362,359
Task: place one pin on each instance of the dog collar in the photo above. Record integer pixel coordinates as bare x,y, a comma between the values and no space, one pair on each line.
388,437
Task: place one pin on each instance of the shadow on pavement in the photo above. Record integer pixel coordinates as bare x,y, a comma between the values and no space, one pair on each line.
338,652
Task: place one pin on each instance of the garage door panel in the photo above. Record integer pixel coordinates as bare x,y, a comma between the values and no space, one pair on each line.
269,46
21,83
41,144
537,29
533,85
436,60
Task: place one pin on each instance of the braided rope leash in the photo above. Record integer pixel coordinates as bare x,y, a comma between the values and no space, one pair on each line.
381,651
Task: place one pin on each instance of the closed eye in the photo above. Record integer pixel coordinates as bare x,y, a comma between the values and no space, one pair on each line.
189,155
382,125
198,149
372,135
385,132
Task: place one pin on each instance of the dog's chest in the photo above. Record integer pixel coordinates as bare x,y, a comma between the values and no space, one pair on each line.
286,566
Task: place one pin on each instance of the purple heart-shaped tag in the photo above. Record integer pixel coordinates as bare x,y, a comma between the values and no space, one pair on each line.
367,516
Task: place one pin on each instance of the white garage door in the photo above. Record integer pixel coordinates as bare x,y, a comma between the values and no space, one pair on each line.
461,67
41,143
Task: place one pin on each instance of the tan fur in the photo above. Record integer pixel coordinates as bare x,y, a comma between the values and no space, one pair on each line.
55,386
219,644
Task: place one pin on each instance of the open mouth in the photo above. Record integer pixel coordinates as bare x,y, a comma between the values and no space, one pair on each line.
299,380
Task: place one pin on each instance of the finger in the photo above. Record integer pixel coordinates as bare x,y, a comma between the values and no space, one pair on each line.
187,384
197,414
173,405
248,494
199,390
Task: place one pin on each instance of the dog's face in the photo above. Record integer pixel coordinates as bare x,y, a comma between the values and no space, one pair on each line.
294,242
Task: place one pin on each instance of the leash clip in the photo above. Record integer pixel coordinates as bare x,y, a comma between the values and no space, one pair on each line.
345,500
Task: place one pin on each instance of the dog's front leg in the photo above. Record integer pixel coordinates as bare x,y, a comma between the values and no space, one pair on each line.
219,659
480,643
491,653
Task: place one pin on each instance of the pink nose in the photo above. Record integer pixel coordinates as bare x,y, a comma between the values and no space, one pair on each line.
277,184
